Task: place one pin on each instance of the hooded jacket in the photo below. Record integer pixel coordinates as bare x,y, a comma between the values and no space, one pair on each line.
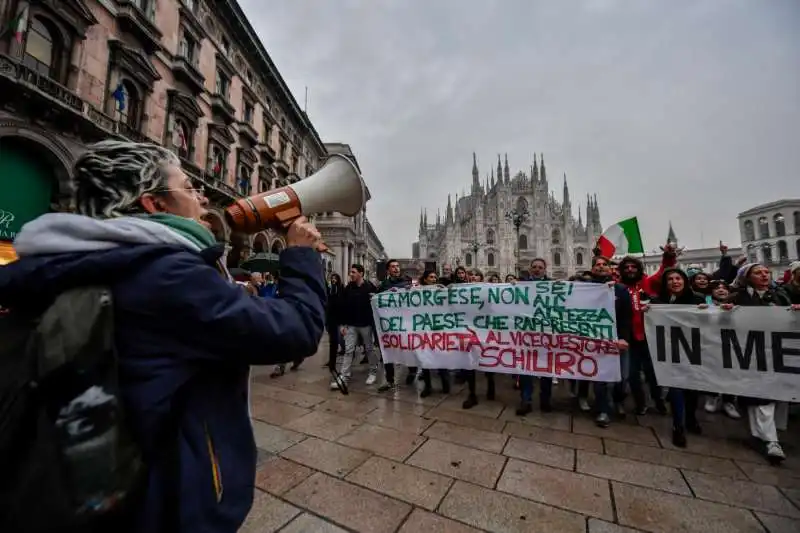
642,288
185,337
686,297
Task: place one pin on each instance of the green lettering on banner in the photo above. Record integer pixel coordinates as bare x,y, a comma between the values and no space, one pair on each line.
391,324
491,322
438,321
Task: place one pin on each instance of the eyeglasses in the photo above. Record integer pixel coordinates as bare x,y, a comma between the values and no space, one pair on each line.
198,192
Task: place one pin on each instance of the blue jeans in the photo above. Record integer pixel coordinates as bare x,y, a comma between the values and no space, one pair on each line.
640,362
526,389
684,407
601,388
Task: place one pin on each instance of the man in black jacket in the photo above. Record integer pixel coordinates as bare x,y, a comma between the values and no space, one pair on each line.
356,317
393,281
601,273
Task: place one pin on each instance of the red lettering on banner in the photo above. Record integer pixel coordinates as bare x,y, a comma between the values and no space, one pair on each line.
593,368
564,363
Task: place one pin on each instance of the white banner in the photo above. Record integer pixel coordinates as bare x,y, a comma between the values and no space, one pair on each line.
749,351
543,328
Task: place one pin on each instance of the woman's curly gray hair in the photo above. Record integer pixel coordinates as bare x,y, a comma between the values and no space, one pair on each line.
111,176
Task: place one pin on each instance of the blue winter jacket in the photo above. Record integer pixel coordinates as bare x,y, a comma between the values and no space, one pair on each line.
186,337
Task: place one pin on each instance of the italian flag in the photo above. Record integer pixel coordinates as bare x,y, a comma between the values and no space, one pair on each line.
20,25
621,238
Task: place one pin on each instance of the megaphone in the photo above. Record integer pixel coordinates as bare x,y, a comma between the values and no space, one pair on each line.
337,186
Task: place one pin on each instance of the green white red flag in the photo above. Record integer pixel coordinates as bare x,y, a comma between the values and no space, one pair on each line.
20,25
622,238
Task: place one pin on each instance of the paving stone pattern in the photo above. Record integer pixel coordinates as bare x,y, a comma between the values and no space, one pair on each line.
393,462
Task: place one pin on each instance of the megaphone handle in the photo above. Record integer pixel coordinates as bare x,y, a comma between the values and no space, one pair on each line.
286,221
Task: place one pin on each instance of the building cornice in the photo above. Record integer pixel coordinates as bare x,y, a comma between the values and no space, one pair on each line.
759,209
254,49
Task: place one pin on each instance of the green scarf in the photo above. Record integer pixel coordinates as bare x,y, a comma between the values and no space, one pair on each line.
186,227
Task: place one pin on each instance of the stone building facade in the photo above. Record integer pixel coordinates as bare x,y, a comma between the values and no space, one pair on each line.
475,230
771,234
191,75
351,239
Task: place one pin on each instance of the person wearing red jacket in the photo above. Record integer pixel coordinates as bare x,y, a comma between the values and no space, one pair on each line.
642,288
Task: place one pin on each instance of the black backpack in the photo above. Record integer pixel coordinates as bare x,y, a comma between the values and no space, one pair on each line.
67,459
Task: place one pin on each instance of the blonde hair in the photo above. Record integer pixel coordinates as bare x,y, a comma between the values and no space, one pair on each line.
111,176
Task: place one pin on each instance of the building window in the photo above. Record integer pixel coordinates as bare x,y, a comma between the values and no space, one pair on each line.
225,45
468,259
263,185
490,259
223,85
183,139
766,249
749,231
783,252
130,106
557,259
40,48
579,258
217,161
249,112
187,47
797,223
763,228
556,236
780,225
523,242
243,181
797,247
489,237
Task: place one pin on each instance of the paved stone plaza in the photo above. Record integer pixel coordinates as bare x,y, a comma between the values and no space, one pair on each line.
397,463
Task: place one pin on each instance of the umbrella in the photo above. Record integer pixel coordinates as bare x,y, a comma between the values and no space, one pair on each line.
239,274
261,262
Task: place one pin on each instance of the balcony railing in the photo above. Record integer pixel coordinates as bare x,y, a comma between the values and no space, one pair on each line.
64,98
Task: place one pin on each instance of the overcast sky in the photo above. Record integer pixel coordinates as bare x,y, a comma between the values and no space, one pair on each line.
669,110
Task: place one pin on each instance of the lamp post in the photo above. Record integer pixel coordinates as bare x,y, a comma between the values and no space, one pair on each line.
517,217
475,245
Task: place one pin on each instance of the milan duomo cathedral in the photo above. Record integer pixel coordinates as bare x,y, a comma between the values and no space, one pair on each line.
477,230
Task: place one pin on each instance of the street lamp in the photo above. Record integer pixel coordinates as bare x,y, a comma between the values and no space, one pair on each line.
517,217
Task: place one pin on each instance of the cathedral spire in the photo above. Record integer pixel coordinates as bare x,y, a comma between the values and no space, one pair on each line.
535,171
671,237
506,171
499,168
421,221
476,180
491,179
448,216
566,191
542,171
425,218
597,215
580,217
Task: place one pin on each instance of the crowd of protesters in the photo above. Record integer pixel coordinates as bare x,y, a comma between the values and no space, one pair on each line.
734,283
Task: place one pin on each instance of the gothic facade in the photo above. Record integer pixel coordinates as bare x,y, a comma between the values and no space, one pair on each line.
477,229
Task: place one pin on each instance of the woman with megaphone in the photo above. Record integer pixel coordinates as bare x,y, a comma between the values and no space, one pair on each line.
184,334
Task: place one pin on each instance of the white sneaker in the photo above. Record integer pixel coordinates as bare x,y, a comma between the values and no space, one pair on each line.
775,452
731,410
712,404
583,403
371,379
334,385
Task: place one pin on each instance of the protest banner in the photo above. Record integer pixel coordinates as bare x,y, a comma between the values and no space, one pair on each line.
749,351
542,328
